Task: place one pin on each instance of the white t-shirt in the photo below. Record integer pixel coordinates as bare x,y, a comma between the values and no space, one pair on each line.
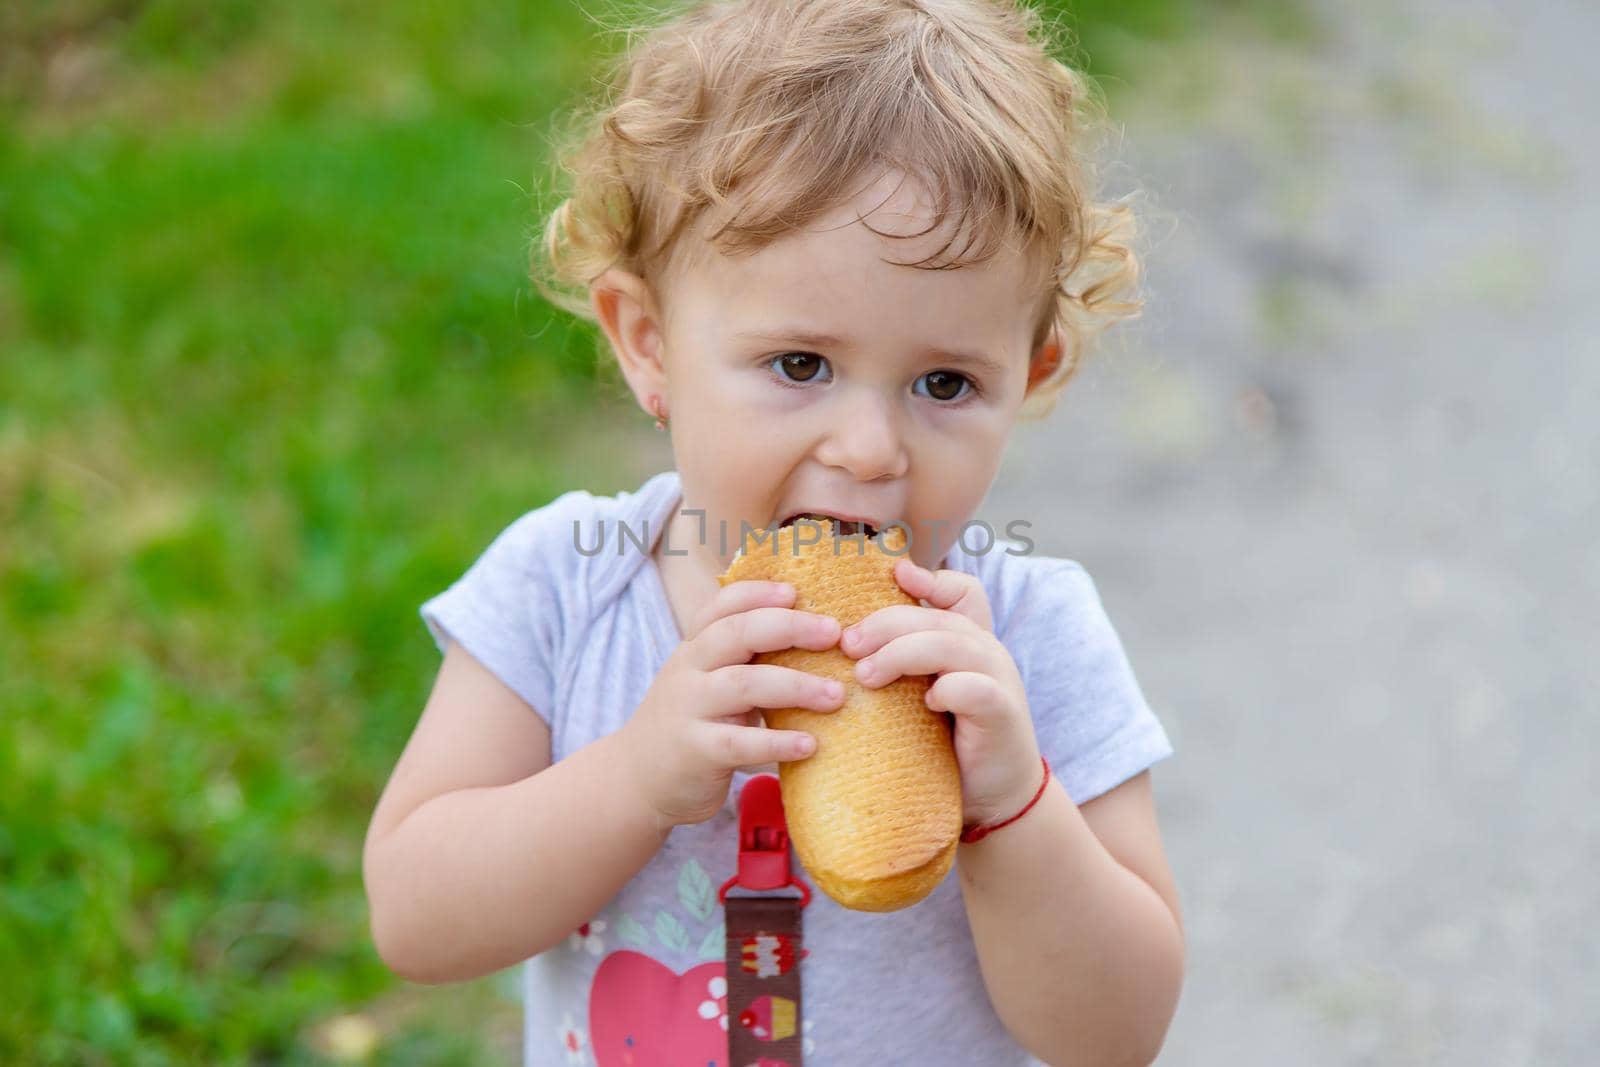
580,635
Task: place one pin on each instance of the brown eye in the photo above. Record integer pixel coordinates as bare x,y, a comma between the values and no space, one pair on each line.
799,366
944,385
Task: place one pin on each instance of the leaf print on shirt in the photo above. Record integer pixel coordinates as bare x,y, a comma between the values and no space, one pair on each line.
633,932
671,932
715,945
698,896
695,892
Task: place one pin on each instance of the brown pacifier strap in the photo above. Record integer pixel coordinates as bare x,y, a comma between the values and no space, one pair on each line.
765,942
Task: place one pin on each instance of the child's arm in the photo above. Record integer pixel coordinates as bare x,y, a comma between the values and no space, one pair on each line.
1078,927
481,852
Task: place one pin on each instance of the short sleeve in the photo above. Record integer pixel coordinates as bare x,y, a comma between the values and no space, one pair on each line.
507,610
1090,716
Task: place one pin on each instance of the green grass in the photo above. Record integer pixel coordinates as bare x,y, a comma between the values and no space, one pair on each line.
271,373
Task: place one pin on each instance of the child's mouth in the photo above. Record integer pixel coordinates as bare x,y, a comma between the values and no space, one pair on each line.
843,527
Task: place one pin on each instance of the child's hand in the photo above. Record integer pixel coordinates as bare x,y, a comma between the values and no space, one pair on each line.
977,682
698,722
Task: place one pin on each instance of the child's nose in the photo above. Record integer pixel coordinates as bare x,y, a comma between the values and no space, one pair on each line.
866,442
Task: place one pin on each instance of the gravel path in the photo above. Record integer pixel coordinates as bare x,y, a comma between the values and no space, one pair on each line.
1340,491
1341,494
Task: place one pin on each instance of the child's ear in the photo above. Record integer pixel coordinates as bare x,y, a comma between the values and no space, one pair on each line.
626,310
1046,359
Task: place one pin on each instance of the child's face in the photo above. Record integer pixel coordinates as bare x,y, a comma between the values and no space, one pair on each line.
864,418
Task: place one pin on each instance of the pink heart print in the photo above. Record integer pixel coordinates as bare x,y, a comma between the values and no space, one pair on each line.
641,1013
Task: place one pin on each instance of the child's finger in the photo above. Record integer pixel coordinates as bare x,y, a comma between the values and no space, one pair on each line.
742,596
885,624
743,686
732,747
735,638
921,652
967,693
954,591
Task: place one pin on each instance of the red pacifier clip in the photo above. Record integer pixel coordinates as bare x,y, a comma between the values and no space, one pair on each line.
764,938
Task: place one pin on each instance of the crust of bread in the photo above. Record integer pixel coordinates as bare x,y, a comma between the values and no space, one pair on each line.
875,812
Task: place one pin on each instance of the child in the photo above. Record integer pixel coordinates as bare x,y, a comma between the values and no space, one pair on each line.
842,245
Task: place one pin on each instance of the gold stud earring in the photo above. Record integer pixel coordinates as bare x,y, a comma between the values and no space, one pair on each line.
655,408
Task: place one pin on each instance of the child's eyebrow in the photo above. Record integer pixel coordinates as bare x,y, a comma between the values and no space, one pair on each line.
827,340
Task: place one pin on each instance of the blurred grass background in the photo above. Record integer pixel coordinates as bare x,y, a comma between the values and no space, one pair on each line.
271,373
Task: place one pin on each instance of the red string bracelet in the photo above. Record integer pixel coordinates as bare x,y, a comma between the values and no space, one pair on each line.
978,833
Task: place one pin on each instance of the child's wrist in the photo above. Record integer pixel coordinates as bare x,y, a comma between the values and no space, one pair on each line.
635,777
977,831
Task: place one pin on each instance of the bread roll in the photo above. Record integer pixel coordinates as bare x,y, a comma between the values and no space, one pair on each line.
875,811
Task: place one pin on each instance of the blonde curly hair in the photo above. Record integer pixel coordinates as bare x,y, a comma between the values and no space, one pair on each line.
771,112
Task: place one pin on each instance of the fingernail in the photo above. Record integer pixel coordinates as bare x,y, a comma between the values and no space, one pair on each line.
865,670
832,689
